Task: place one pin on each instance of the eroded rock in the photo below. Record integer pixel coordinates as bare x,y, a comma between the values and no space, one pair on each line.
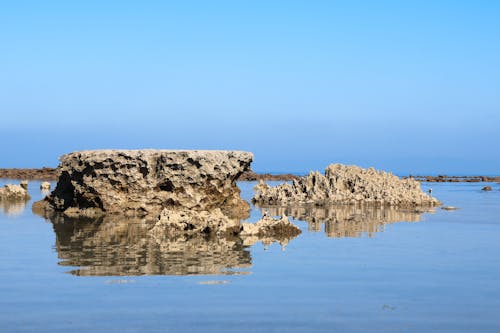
144,182
45,186
268,226
188,222
343,184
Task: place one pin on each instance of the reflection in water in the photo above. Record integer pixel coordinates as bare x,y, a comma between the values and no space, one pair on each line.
347,221
13,207
113,246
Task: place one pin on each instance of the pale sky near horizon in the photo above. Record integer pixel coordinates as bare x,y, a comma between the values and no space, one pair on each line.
410,87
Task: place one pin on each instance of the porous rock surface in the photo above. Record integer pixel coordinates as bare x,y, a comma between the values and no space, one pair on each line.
269,226
14,192
145,182
342,184
188,222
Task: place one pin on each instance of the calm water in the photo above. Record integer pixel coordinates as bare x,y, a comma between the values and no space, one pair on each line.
349,271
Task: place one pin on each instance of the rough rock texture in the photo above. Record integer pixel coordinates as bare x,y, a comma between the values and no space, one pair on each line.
268,226
188,222
144,182
343,184
14,192
45,186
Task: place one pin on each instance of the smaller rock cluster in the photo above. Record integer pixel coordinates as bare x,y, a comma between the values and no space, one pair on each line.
342,184
269,226
14,192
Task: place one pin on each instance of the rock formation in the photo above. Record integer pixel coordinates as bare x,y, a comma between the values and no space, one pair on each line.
45,186
144,182
14,192
184,193
187,222
343,184
269,226
487,188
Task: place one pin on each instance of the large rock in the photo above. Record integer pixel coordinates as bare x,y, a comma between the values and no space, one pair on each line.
343,184
145,182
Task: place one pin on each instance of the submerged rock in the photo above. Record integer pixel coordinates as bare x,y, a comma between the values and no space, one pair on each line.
343,184
487,188
14,192
449,208
268,226
144,182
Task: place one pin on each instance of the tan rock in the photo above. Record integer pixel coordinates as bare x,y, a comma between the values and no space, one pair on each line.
270,227
144,182
189,222
343,184
14,192
45,186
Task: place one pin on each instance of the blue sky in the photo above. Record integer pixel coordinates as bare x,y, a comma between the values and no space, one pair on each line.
410,87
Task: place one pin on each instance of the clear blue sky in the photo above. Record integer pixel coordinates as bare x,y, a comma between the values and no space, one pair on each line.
407,86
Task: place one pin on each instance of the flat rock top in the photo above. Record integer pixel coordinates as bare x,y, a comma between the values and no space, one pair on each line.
152,152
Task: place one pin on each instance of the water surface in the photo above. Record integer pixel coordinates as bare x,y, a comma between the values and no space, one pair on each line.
350,270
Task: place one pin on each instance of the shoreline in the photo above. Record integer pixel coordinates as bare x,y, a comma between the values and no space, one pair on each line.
47,173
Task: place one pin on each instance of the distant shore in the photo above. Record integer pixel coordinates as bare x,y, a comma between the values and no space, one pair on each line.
47,173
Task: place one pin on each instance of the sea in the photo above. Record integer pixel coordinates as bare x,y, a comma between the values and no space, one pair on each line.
350,270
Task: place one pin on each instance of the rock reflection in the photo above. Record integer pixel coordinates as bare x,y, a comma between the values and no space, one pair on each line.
113,246
347,220
13,207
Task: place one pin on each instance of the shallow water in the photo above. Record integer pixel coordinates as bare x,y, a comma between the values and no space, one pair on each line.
437,272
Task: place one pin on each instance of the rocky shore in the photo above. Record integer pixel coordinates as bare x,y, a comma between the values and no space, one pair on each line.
47,173
44,173
455,179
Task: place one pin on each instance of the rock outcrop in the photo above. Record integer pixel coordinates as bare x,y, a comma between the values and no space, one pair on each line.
187,222
343,184
45,186
14,192
268,226
183,193
145,182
